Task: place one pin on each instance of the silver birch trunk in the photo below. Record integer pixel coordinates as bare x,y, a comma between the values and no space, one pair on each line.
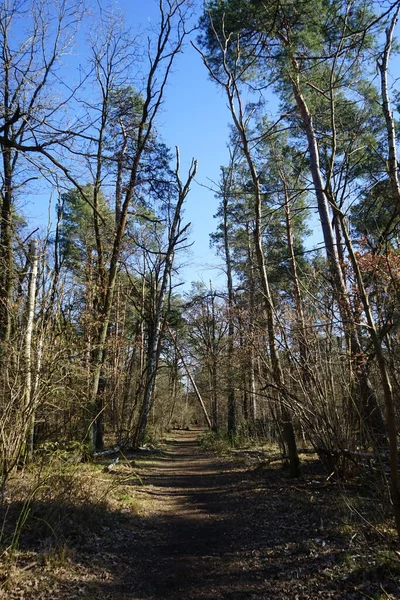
28,411
252,368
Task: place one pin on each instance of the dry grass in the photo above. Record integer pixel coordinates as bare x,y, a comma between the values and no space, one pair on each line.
55,508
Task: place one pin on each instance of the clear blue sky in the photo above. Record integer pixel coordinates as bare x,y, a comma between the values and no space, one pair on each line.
195,118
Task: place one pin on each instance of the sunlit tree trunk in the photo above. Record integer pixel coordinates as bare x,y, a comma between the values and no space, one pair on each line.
383,65
227,186
28,409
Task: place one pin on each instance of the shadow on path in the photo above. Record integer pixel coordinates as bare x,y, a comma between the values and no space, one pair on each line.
213,530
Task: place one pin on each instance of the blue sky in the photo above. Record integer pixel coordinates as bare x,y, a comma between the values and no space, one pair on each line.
195,118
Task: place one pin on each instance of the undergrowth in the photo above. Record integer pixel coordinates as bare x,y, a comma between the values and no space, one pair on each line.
218,441
221,442
56,506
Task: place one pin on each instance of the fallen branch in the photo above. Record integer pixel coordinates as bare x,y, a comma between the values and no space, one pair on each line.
108,452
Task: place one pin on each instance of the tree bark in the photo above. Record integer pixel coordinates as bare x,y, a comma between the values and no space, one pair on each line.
213,368
227,186
28,410
369,406
383,64
174,236
302,338
6,251
385,379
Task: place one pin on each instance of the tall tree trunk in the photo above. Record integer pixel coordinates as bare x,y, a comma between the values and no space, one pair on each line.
174,236
385,379
6,250
28,410
231,86
251,336
227,187
173,385
302,338
383,64
369,406
277,372
213,367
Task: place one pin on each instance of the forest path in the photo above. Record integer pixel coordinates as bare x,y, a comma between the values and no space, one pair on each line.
192,511
212,528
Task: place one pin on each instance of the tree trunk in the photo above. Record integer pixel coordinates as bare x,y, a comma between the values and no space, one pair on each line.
287,425
385,380
231,328
369,407
392,164
174,386
302,338
174,237
6,251
251,366
213,365
28,410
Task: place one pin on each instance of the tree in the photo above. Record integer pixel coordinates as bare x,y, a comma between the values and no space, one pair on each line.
167,44
175,237
226,186
28,64
249,41
226,77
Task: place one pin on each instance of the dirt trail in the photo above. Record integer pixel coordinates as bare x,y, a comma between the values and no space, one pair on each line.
211,528
193,523
214,529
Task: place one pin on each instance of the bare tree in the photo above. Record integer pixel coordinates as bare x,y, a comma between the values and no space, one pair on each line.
28,69
167,45
176,233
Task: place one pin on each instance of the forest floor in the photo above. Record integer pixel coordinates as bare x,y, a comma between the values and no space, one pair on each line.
184,524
